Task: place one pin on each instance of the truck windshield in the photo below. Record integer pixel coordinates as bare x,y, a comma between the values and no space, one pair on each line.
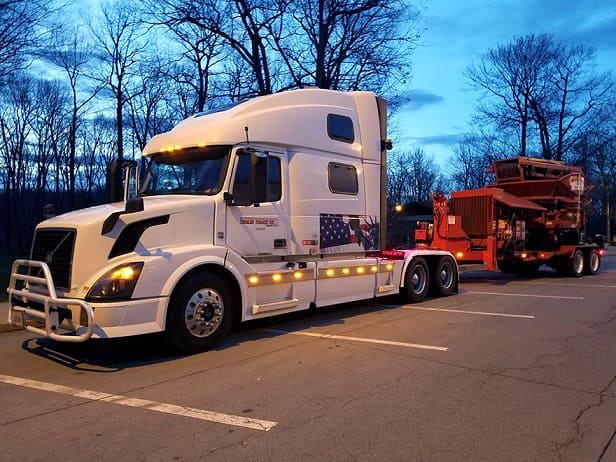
190,171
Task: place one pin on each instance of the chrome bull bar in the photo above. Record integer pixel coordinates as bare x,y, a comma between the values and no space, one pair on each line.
21,293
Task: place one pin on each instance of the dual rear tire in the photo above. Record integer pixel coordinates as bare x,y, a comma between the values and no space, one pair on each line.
580,263
418,279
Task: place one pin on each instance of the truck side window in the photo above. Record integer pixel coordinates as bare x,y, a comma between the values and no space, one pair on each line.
340,128
241,184
342,178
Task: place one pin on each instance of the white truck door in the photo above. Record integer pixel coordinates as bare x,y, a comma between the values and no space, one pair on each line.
258,229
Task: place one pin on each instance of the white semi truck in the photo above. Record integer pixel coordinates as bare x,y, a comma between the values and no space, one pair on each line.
275,205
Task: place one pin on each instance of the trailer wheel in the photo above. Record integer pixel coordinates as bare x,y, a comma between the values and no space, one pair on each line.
445,276
593,262
576,263
416,280
199,313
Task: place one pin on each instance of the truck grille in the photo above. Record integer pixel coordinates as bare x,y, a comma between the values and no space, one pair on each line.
55,247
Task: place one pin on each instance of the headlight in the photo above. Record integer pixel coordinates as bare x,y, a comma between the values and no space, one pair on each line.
117,283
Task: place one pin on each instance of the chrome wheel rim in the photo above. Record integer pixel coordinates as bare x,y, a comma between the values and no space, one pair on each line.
446,275
594,262
204,312
578,263
419,279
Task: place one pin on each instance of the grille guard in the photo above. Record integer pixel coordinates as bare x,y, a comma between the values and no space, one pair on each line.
21,294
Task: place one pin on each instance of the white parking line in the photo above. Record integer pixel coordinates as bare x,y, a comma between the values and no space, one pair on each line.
359,339
525,295
600,286
184,411
483,313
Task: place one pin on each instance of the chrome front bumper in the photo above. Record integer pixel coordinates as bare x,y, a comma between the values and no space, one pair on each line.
35,307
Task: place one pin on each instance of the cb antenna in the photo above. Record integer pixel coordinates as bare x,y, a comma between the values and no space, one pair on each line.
247,140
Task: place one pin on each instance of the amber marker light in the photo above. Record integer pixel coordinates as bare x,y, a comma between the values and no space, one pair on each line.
330,272
459,254
398,208
389,267
374,269
345,271
276,277
360,270
253,279
524,255
298,275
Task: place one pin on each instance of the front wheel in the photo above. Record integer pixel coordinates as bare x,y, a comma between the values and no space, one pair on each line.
593,262
416,280
199,313
445,276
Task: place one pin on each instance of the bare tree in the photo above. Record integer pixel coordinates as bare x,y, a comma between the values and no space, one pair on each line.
198,53
243,25
512,74
119,35
573,92
16,114
412,176
71,53
148,109
21,32
351,44
544,90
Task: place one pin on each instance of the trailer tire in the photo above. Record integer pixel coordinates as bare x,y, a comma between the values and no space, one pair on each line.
445,277
199,313
576,263
416,280
593,262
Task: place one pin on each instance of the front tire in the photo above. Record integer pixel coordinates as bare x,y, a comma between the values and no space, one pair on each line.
199,313
445,277
416,280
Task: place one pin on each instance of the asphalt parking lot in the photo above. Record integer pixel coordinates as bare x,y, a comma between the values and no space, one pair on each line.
508,369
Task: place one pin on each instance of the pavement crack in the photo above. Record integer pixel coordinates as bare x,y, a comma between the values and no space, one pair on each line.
578,434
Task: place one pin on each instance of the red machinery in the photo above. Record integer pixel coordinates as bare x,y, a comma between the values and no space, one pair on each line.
532,215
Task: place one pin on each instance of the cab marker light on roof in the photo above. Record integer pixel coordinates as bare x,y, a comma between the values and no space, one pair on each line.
389,267
345,271
524,255
374,268
253,279
360,270
298,275
330,272
276,277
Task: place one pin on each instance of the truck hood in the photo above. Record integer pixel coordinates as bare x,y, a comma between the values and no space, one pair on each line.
165,224
152,207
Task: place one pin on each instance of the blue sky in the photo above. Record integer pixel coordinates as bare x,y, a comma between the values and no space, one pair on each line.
457,34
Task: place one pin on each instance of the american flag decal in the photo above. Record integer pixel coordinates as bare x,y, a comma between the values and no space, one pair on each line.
335,231
342,230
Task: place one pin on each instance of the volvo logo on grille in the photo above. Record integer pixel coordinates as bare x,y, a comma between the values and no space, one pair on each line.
49,256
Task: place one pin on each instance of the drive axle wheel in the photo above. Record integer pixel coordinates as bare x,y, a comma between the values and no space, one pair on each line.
576,263
445,276
199,313
416,280
593,262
